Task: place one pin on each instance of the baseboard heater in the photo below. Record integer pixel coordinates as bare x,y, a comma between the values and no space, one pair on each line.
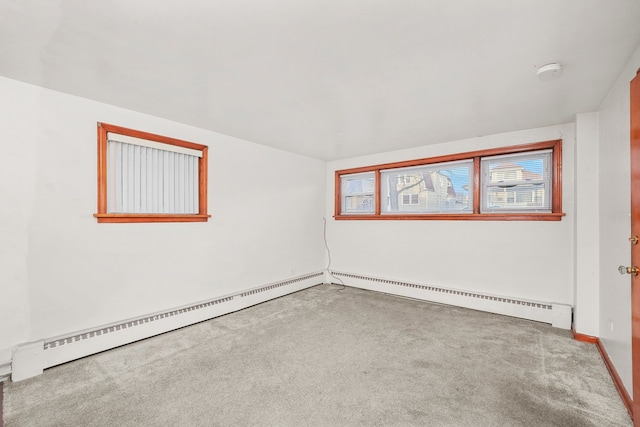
5,370
558,315
30,359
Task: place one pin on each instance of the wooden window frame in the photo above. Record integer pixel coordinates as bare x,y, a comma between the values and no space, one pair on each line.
103,216
556,213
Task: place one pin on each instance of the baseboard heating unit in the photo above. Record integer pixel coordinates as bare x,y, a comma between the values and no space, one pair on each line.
558,315
30,359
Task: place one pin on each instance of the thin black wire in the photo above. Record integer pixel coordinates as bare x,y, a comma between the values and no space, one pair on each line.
326,245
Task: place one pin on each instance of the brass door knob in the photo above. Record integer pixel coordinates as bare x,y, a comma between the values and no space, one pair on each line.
633,240
628,270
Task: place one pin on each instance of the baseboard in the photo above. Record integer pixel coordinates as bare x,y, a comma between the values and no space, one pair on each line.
558,315
5,363
583,337
617,381
1,403
71,346
5,370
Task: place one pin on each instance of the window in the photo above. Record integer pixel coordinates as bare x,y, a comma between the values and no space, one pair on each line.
517,182
358,192
404,179
143,177
434,188
410,199
512,183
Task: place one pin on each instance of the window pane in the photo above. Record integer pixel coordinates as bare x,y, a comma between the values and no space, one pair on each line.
435,188
517,183
358,193
149,180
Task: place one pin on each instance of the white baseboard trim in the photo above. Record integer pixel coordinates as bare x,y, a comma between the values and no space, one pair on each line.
30,359
27,360
5,371
5,363
68,347
558,315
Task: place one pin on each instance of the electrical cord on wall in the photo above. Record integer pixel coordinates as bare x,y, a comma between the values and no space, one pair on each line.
326,245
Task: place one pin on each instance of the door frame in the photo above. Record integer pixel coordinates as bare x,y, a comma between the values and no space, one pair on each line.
635,248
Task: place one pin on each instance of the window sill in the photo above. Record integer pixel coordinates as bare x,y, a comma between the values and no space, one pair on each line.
460,217
121,218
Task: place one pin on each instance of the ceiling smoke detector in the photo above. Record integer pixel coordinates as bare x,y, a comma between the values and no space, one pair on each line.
549,72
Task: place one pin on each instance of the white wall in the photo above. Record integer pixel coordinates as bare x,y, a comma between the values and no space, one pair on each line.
530,260
587,255
615,225
17,184
62,272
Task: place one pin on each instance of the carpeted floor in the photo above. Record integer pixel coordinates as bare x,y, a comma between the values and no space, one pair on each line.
330,357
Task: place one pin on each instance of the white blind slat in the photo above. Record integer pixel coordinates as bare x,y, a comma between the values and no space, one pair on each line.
152,144
516,156
434,166
147,180
137,179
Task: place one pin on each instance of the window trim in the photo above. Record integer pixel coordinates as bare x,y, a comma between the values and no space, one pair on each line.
102,214
556,213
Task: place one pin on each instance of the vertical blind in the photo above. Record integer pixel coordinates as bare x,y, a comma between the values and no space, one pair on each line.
143,178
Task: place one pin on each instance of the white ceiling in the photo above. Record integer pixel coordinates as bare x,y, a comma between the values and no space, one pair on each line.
328,79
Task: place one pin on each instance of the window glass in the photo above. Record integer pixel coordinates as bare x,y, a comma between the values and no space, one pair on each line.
150,180
358,193
516,183
434,188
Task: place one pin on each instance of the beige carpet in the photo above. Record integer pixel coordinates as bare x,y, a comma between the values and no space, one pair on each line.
325,357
